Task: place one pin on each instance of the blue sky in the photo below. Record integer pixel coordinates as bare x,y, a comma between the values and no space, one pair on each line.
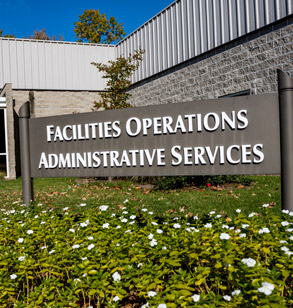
21,17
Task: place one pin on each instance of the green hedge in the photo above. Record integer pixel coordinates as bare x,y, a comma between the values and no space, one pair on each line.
102,259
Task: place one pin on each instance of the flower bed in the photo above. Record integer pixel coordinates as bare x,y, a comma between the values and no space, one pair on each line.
102,259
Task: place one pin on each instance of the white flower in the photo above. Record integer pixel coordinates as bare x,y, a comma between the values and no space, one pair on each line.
125,201
242,235
153,242
237,231
83,258
30,232
236,293
116,276
195,217
44,247
219,216
90,238
208,225
283,242
132,222
284,248
212,212
52,251
42,222
125,212
249,262
75,246
285,211
82,204
113,215
106,225
84,224
128,231
36,216
144,210
285,223
264,230
227,298
139,265
145,305
291,238
289,230
151,213
289,253
21,258
265,205
124,220
117,245
90,247
238,211
225,227
251,214
66,208
150,236
154,223
20,240
13,276
152,293
71,230
266,288
244,226
118,227
177,226
159,231
76,280
116,298
132,217
195,298
103,208
224,236
162,306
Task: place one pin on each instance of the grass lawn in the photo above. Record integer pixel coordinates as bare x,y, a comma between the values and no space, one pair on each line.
63,192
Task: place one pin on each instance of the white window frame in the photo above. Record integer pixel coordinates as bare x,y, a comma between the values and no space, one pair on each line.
3,106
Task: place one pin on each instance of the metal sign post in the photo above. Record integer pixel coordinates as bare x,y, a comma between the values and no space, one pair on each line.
285,86
26,179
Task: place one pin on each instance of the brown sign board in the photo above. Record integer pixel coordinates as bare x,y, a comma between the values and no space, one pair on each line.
238,135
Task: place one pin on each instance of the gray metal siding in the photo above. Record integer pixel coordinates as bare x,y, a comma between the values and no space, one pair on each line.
183,30
187,28
50,65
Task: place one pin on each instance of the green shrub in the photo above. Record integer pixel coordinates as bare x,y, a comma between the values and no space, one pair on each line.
102,259
177,182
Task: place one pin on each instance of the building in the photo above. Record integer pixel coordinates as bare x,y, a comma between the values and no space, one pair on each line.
195,49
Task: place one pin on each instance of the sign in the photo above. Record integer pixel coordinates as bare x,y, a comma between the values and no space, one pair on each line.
240,135
237,135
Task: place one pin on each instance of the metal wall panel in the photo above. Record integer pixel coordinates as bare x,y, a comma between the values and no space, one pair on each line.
29,64
187,28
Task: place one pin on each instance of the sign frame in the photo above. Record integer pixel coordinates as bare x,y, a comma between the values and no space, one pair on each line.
283,136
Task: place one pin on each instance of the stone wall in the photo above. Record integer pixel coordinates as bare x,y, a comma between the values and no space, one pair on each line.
42,103
249,63
49,103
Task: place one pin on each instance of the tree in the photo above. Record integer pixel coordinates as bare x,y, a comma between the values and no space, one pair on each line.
118,73
42,35
94,27
6,35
